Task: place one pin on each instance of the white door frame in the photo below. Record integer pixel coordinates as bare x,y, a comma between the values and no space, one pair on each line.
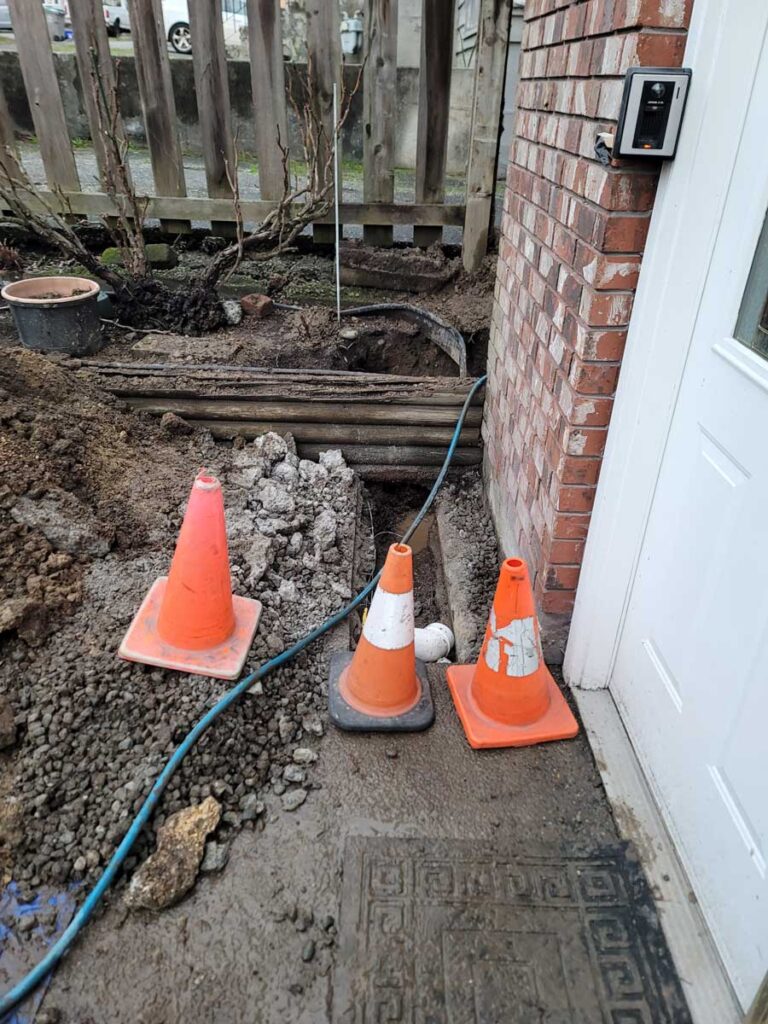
684,227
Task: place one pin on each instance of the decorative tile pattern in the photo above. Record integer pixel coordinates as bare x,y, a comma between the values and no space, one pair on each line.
458,932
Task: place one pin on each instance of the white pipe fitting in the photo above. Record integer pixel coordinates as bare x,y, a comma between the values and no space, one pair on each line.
433,641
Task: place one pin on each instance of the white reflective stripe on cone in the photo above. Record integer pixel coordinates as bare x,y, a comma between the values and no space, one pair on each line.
517,642
389,625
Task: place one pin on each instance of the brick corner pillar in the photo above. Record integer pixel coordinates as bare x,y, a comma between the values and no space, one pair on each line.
572,237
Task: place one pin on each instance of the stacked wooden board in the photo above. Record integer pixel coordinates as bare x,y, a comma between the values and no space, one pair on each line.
377,420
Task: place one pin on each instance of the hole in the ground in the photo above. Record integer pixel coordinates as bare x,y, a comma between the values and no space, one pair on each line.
395,351
388,511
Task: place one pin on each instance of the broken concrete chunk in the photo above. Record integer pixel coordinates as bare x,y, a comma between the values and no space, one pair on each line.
324,530
332,459
233,311
170,872
294,799
303,755
276,499
215,858
180,346
285,473
65,522
271,446
313,472
258,558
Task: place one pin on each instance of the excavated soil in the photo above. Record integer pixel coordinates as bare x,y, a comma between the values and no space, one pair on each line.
91,508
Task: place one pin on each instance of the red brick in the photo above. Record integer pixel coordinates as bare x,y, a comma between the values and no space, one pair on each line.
603,345
570,526
561,577
574,469
654,49
557,602
575,499
605,309
624,232
565,552
652,14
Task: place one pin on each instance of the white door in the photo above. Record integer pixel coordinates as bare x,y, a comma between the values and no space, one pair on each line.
690,674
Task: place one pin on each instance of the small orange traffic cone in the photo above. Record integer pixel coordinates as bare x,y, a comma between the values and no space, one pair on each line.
189,620
382,687
509,699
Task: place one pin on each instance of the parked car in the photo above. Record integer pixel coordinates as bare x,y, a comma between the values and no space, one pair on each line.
176,21
54,14
117,17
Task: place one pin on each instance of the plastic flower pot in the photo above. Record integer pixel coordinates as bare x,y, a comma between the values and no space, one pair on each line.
56,314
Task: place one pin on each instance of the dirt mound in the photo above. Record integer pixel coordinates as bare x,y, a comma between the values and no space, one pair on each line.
75,467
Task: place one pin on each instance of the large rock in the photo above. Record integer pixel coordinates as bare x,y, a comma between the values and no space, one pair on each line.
14,610
171,871
276,499
258,557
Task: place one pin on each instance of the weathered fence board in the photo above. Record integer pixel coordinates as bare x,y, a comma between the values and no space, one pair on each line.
47,109
173,209
437,46
265,45
379,86
153,73
209,61
97,79
492,48
323,70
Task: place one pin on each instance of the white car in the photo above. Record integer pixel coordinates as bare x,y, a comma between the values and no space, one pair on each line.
117,17
176,21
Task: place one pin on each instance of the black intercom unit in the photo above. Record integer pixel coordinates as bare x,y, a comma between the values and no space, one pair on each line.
651,112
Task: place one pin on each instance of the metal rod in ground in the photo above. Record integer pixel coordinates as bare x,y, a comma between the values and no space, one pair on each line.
336,198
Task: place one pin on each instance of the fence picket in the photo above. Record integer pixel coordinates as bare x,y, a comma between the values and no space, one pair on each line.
153,73
437,45
323,69
39,74
209,61
379,87
265,46
490,76
94,64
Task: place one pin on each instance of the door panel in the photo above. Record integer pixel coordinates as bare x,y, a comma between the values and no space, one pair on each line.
691,671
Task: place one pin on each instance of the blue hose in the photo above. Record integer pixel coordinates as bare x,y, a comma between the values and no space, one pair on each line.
81,918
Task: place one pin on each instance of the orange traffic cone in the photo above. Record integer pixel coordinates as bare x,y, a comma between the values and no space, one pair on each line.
189,620
382,687
509,699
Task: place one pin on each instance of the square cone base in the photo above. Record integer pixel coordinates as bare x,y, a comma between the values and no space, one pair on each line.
343,715
142,642
485,733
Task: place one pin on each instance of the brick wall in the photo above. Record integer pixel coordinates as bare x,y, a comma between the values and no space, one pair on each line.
572,238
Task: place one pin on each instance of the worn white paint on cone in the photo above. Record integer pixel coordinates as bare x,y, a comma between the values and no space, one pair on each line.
390,622
518,642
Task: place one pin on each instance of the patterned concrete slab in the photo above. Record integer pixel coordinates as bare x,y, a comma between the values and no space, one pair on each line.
463,932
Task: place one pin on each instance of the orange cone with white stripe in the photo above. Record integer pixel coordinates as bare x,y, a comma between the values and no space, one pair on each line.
189,620
382,687
509,699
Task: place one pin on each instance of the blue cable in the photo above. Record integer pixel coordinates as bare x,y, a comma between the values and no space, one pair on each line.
31,980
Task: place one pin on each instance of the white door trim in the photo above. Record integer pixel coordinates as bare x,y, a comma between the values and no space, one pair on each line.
684,227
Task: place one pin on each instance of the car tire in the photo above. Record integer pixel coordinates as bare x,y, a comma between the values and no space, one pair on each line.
113,30
179,37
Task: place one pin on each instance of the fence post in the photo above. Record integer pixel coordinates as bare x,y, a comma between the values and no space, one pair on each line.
490,76
265,47
379,89
94,63
209,61
437,45
323,69
153,72
37,69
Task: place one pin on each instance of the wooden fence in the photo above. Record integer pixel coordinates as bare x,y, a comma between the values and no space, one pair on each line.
378,211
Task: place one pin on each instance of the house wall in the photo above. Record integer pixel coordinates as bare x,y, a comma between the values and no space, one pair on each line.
572,237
